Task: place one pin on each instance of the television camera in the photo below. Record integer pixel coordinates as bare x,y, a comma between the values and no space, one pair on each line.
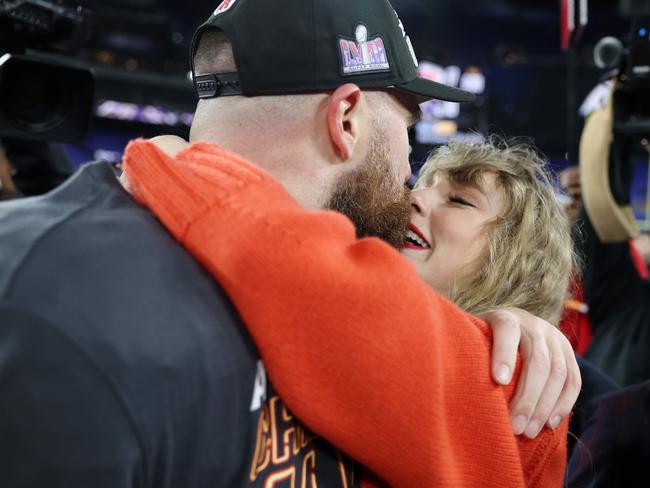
42,96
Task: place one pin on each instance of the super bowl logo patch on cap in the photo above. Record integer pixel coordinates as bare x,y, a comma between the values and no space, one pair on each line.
223,6
361,55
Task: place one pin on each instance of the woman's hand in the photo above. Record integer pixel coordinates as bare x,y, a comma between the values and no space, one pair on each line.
550,378
171,145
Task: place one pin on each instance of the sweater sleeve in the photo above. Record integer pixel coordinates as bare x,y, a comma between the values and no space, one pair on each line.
359,348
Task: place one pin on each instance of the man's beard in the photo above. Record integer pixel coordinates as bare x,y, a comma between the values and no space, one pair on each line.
373,199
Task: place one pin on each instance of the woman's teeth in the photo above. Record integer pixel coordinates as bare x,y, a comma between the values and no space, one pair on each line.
415,239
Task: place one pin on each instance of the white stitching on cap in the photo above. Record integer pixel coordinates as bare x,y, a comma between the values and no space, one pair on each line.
224,6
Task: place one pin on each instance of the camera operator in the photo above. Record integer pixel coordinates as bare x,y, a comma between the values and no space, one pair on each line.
615,444
615,287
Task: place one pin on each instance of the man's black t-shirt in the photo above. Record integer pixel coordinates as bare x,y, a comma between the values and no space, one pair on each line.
123,364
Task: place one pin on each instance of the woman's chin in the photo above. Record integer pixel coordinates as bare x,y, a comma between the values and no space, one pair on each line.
415,253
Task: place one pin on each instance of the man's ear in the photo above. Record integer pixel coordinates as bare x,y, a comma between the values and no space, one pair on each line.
344,119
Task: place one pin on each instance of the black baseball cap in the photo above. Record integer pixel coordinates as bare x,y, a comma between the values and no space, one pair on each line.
299,46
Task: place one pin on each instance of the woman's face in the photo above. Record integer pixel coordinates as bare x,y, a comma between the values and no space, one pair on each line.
449,229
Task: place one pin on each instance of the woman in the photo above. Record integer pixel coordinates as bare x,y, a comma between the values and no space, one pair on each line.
310,293
514,247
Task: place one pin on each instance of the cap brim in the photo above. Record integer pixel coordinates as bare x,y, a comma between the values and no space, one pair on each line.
428,90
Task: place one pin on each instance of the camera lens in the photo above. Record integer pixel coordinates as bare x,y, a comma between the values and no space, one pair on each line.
34,100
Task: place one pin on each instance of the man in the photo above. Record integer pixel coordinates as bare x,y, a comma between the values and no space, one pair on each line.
614,276
29,168
121,362
8,189
570,185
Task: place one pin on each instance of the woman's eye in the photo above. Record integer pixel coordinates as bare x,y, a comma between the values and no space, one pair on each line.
460,200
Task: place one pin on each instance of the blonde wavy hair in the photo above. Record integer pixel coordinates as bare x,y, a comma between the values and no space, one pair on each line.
530,253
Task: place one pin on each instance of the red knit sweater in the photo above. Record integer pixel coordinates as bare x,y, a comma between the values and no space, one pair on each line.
359,348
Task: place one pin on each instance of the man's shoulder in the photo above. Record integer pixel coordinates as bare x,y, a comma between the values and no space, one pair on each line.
89,234
65,222
88,259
